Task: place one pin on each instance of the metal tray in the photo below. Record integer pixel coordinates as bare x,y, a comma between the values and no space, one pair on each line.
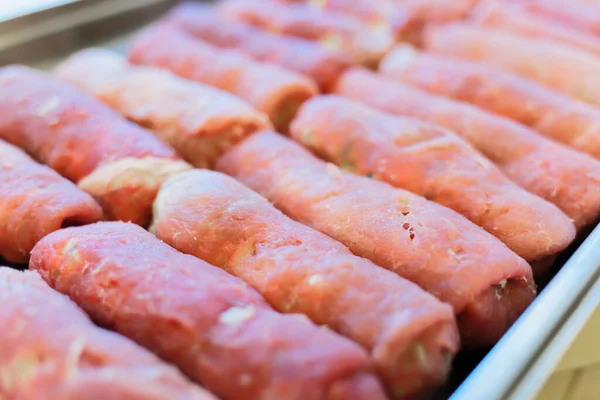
516,368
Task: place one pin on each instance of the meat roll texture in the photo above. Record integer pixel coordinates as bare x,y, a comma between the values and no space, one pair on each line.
444,253
563,68
411,336
366,43
565,177
35,201
271,89
199,121
51,350
119,163
434,163
212,325
507,16
293,53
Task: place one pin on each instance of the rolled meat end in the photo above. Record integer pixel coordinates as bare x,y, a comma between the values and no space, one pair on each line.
409,18
563,68
365,43
217,329
293,53
51,350
300,270
80,137
565,177
271,89
432,162
431,245
35,201
506,16
560,175
548,112
199,121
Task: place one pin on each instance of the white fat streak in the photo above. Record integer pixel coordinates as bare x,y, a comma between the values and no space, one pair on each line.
237,315
48,105
245,379
316,280
74,353
398,58
333,170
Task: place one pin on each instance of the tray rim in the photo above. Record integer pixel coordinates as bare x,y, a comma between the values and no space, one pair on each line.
556,312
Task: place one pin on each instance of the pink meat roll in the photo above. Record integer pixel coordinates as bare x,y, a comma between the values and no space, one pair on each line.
52,351
212,325
271,89
35,201
432,162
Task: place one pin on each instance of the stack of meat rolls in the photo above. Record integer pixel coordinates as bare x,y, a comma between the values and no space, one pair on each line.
293,53
271,89
550,113
35,201
199,121
217,329
305,199
487,284
119,163
51,350
562,176
434,163
411,336
558,66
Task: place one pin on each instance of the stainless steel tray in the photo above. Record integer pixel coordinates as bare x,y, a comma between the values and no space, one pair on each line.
516,368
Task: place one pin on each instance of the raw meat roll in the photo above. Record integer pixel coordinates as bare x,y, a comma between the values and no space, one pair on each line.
35,201
51,350
269,88
212,325
434,163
